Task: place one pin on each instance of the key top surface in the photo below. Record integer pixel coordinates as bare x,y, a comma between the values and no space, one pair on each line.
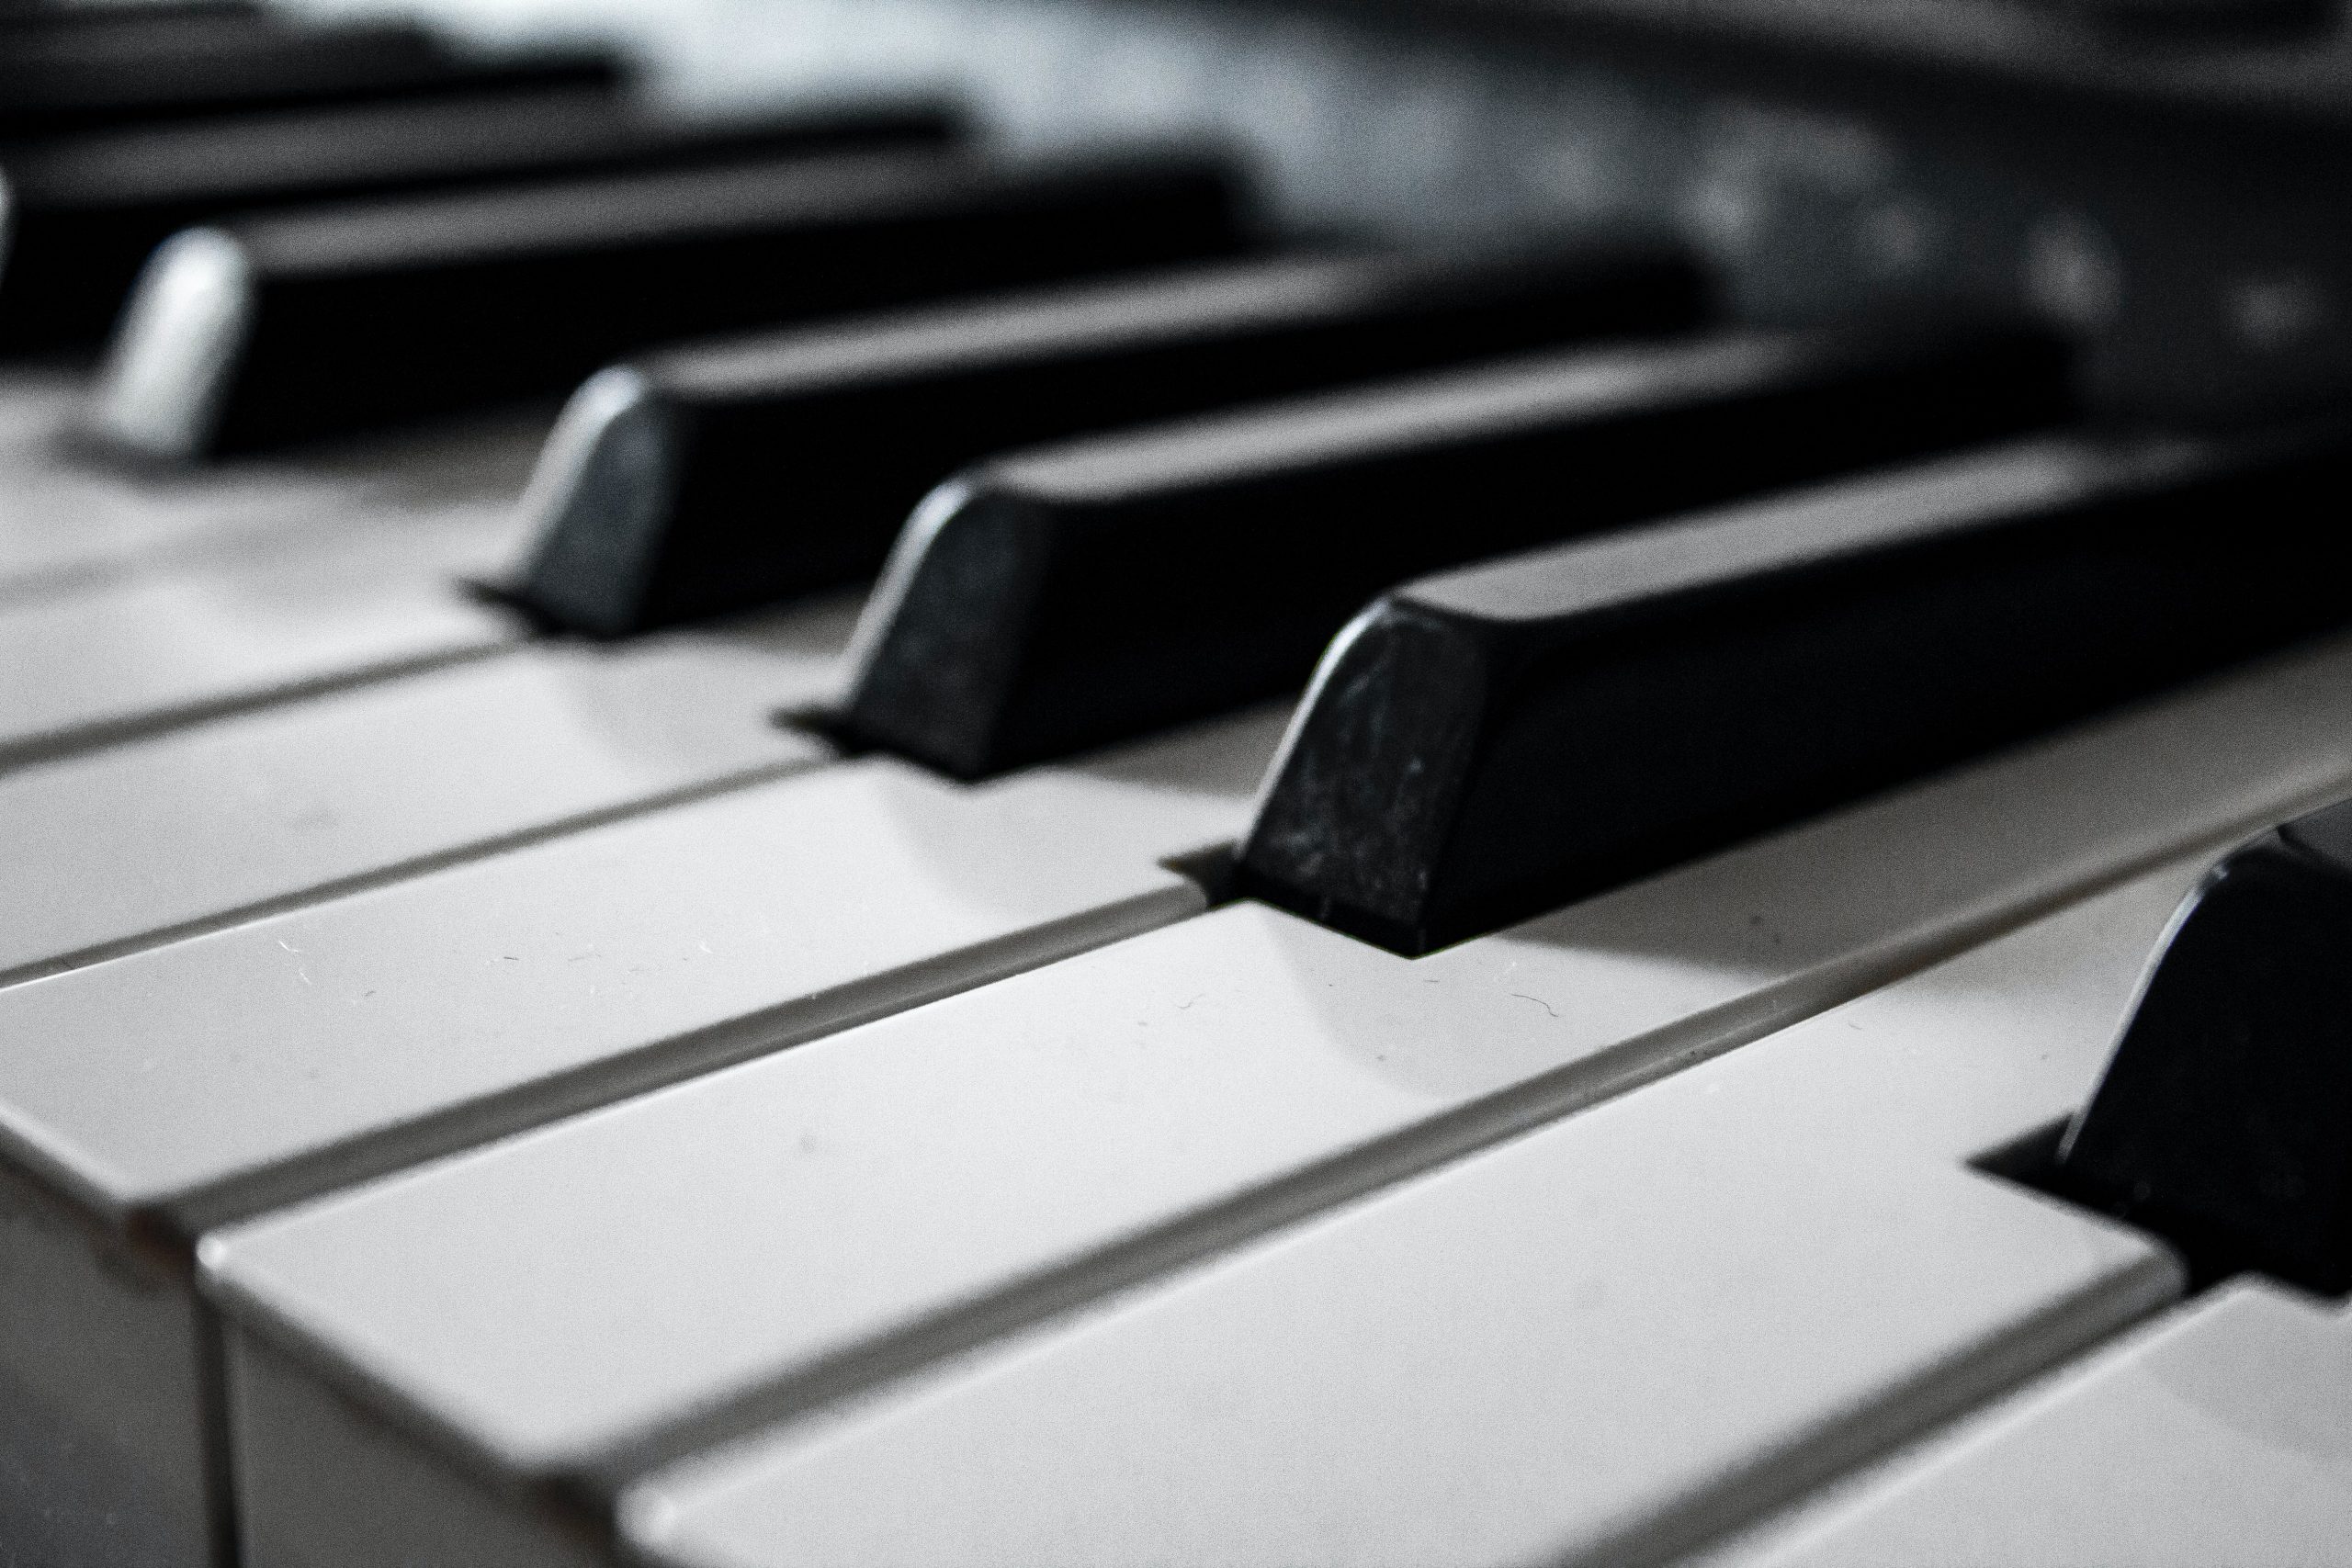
265,330
1070,595
592,965
227,819
148,653
70,522
711,477
86,210
2216,1435
803,1226
1597,1344
1497,740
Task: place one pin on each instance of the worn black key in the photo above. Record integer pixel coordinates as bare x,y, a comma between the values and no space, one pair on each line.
1485,744
1057,600
86,211
716,478
2224,1120
279,328
175,68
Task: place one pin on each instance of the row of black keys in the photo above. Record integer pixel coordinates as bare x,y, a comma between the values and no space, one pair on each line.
1475,746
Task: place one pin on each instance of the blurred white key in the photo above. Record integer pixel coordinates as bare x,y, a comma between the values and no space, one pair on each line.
2220,1434
1598,1344
651,1279
147,1098
69,520
119,847
147,652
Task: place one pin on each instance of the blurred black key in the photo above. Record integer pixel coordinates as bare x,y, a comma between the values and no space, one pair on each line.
184,67
24,21
2201,21
280,328
1483,746
1057,600
88,38
2223,1122
722,477
86,210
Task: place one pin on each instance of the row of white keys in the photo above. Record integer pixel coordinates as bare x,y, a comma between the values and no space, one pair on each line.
2221,1433
145,1098
128,845
636,1284
203,1078
1598,1344
134,601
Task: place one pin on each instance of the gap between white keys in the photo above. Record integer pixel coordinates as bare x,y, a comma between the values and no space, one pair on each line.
2221,1433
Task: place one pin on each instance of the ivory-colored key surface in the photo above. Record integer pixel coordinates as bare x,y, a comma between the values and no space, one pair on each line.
128,845
145,1099
2219,1434
204,1077
641,1282
69,520
150,652
1595,1344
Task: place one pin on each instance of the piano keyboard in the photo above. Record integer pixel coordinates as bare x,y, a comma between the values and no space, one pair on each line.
1115,783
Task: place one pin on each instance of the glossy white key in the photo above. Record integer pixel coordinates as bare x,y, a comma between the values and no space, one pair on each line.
739,1247
1595,1344
69,519
2220,1434
113,848
153,1094
144,652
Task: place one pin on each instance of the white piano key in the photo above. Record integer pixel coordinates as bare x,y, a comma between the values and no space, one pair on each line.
68,520
144,653
306,1049
151,1096
2219,1434
638,1282
1594,1344
120,847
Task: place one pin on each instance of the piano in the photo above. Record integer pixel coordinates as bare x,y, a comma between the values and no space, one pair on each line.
1150,781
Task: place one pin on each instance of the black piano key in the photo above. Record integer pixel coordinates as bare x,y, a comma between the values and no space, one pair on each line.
1052,601
1484,746
720,478
88,39
184,67
86,211
277,328
22,21
2224,1120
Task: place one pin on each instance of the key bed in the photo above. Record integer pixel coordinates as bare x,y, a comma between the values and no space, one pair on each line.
548,1024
